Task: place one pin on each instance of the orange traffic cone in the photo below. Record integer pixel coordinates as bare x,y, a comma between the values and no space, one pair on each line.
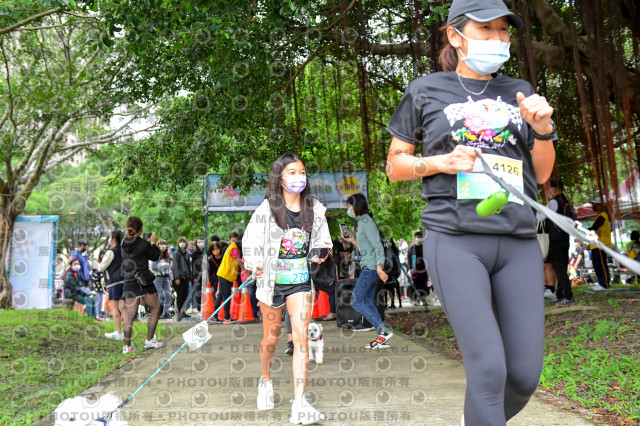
207,302
246,313
323,303
315,312
235,301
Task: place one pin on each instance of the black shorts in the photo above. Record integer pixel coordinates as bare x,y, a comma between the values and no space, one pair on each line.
115,292
133,289
282,291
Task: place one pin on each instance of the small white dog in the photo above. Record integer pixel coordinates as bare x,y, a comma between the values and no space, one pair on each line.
80,411
316,343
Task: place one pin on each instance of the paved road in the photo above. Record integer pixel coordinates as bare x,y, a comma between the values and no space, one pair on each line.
405,384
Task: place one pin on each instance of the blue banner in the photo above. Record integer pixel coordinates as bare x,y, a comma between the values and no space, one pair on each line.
332,189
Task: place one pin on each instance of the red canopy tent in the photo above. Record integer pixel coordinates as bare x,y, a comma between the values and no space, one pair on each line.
628,201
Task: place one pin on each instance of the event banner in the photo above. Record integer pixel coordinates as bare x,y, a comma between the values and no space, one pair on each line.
331,188
32,261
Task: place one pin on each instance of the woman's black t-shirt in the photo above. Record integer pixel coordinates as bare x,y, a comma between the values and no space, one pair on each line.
292,265
437,112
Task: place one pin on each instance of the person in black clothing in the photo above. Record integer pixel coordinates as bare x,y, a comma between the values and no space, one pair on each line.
418,266
112,264
181,268
77,289
215,259
136,254
196,270
559,242
392,268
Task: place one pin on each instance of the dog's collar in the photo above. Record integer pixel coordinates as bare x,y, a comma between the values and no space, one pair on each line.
319,338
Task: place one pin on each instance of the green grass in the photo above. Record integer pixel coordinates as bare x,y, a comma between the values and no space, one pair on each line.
591,371
49,356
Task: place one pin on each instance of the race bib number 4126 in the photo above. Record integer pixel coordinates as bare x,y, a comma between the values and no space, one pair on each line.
478,186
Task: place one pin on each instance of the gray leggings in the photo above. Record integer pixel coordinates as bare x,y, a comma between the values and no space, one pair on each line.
490,287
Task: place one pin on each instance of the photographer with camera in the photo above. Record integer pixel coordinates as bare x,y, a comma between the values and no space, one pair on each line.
139,281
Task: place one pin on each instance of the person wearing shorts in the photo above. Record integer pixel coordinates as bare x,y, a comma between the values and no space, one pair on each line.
493,302
280,239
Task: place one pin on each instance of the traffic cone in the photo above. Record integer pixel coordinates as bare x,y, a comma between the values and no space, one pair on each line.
246,313
235,301
315,312
323,303
207,302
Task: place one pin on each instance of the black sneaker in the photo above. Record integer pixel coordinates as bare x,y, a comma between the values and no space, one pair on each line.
289,350
361,327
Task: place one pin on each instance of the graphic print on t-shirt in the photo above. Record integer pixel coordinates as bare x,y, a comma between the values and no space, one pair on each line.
485,122
292,259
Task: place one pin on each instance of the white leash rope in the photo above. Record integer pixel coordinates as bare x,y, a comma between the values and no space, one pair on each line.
571,227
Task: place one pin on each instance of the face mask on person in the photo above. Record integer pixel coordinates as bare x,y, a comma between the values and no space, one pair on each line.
418,240
162,247
201,245
182,245
485,56
191,250
83,249
295,184
351,213
75,268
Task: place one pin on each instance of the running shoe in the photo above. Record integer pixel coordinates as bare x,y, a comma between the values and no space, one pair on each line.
128,349
229,321
152,344
289,350
302,413
361,327
114,335
265,395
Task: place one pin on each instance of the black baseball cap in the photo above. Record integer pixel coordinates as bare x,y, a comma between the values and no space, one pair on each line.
483,11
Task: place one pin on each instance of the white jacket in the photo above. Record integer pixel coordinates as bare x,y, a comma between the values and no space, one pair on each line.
261,241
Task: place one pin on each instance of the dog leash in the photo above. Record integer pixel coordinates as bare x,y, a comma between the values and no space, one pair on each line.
105,420
571,227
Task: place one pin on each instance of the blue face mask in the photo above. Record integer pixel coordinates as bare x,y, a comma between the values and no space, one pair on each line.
351,214
485,56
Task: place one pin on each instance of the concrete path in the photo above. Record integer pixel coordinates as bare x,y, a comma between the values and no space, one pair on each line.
405,384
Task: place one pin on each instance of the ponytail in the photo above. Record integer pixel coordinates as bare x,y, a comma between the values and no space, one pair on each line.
448,57
134,226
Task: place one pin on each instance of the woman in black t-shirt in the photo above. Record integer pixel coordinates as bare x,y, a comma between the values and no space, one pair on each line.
452,113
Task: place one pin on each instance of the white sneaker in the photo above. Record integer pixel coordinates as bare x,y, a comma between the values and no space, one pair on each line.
265,395
114,335
598,287
548,294
302,413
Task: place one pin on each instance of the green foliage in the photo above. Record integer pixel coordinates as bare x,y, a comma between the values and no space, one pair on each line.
49,356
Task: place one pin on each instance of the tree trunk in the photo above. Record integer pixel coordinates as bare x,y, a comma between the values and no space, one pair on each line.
6,229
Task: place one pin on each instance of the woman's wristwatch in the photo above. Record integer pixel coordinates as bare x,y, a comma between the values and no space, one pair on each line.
553,136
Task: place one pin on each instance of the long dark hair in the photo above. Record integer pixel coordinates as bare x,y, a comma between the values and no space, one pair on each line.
276,199
71,271
448,54
360,204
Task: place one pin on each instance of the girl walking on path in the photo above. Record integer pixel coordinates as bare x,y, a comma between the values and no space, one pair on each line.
494,301
284,232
